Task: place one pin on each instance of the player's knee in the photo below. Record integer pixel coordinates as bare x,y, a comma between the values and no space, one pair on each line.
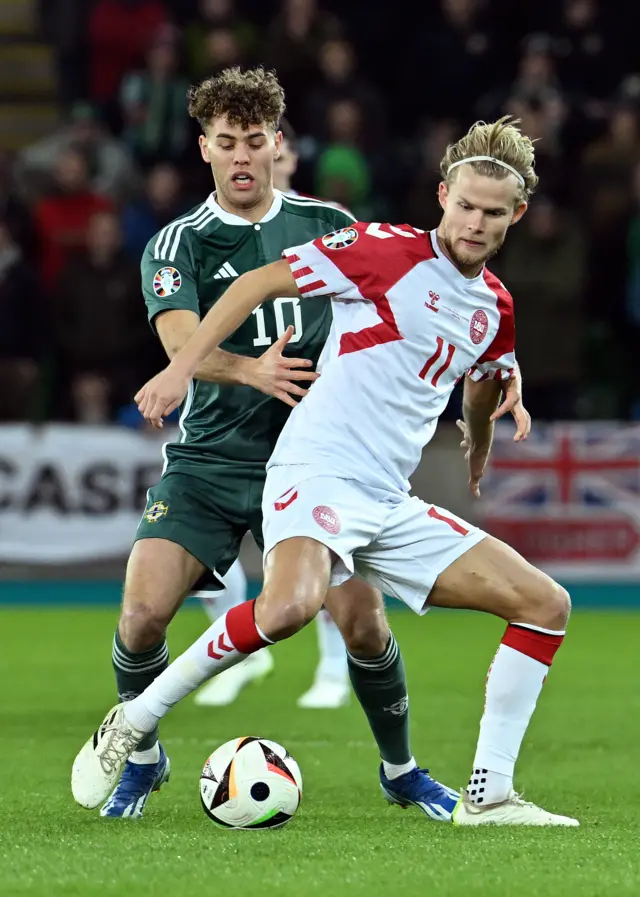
280,616
547,605
558,607
365,636
141,626
358,611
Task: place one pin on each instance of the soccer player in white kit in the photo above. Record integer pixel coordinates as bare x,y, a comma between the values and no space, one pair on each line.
413,313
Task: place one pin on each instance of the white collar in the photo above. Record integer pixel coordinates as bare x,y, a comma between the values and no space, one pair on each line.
229,218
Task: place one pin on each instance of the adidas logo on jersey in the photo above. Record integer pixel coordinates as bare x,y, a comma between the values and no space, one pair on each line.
226,271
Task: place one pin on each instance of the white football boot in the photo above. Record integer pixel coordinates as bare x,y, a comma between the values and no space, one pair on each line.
326,694
225,688
512,811
97,768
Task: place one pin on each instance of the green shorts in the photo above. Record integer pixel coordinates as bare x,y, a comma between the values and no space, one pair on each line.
209,518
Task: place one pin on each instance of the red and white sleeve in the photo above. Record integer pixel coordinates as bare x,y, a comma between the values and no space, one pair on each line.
502,368
316,274
498,362
361,261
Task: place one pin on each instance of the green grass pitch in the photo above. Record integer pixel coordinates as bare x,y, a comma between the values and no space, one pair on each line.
581,756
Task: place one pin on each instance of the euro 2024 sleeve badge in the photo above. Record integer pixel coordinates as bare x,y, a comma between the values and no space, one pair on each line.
166,282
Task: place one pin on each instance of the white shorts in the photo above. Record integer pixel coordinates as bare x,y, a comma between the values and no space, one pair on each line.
396,542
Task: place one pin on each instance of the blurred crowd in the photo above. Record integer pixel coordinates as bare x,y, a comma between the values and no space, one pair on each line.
374,93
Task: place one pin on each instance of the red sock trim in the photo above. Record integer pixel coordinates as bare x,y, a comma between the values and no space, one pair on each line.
538,645
242,630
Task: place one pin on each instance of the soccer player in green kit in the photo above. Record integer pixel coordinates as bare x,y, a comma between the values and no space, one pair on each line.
210,491
330,687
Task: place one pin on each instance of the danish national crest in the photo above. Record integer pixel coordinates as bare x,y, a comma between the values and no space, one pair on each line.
479,326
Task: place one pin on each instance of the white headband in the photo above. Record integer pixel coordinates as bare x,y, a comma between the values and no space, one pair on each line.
488,159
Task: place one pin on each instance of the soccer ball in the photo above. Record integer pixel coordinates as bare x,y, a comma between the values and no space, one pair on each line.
250,783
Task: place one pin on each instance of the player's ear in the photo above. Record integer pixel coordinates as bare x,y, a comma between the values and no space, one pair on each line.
518,212
204,148
443,193
277,144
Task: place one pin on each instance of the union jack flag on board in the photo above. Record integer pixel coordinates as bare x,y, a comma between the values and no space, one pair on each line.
568,498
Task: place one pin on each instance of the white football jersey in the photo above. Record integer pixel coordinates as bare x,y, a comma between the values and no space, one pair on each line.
407,325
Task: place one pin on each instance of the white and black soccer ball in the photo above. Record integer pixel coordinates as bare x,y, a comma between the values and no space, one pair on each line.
250,783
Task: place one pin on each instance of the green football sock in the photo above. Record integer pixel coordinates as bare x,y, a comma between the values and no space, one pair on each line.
381,687
135,671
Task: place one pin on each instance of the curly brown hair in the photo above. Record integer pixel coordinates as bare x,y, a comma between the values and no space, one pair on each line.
244,98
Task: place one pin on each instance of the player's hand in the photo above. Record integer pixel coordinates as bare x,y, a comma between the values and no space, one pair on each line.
476,460
162,394
275,375
513,403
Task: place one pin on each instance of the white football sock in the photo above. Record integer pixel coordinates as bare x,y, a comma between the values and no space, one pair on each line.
513,684
395,770
212,653
215,604
333,653
152,755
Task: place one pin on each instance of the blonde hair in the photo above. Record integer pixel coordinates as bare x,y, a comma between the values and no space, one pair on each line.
502,140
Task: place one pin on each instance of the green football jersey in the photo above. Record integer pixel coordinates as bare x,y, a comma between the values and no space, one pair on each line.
189,265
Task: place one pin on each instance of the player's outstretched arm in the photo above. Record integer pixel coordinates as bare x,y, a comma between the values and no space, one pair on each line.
164,393
272,373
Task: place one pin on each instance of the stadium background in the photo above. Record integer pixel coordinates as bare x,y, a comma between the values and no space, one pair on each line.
97,153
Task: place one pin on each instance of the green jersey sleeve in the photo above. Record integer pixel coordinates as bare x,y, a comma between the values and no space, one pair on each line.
168,283
340,217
